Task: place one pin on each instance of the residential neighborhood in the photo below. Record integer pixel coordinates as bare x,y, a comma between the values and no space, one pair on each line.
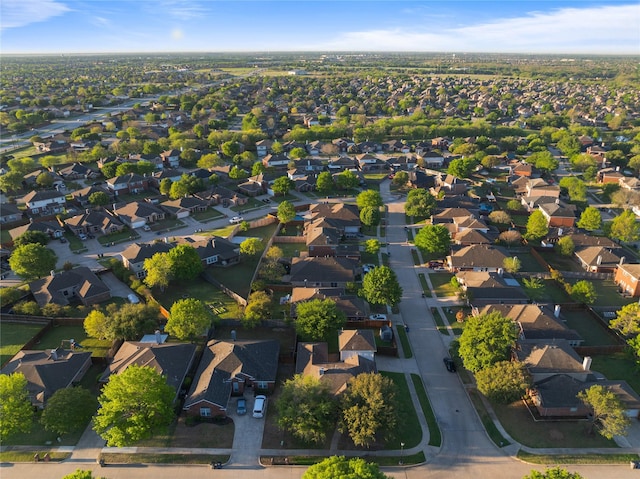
258,259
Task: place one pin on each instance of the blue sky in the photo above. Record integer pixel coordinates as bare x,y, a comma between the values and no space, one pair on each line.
543,26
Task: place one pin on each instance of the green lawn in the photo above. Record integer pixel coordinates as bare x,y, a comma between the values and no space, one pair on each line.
408,429
529,263
442,284
5,237
205,292
39,436
124,235
404,340
618,366
608,295
209,214
518,423
291,250
561,263
554,293
491,428
55,336
222,232
548,459
423,283
435,436
13,337
591,330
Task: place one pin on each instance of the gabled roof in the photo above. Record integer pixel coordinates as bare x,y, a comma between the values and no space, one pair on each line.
83,281
339,215
472,236
137,210
549,357
41,195
99,218
138,252
213,246
322,270
357,340
43,226
125,179
558,210
599,256
222,361
484,285
172,360
479,256
48,371
631,268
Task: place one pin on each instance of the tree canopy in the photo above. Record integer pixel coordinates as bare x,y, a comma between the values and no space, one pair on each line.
433,239
553,473
306,408
340,467
316,318
129,321
537,227
369,198
370,216
624,227
607,411
380,286
590,219
186,264
286,212
251,246
32,237
420,202
565,246
69,410
133,405
188,319
504,381
369,409
32,261
627,320
282,185
159,270
486,340
258,309
324,183
583,292
15,407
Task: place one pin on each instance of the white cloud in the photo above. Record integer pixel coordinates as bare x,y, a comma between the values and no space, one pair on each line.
182,9
18,13
607,29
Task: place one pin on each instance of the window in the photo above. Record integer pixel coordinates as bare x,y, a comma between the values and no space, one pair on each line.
212,259
334,285
262,385
205,412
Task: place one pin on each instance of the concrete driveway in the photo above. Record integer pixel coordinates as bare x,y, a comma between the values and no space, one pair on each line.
117,287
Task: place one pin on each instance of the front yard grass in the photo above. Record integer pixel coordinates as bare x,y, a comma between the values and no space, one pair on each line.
38,436
490,427
124,235
404,340
13,336
146,458
222,232
552,459
202,435
441,283
27,456
435,436
209,214
519,424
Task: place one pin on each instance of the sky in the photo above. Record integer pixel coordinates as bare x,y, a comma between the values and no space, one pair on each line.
508,26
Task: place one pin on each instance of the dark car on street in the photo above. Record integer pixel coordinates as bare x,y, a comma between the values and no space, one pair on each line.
449,364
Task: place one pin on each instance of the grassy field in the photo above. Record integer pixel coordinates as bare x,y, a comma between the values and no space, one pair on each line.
517,421
205,292
491,428
55,336
13,337
561,263
27,456
593,333
529,263
608,295
618,366
442,284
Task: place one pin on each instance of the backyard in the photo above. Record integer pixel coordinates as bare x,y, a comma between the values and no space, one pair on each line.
591,330
441,283
618,366
200,289
13,337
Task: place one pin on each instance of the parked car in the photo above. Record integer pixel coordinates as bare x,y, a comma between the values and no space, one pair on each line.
241,407
367,267
236,219
259,406
133,299
63,239
449,364
82,236
378,317
146,228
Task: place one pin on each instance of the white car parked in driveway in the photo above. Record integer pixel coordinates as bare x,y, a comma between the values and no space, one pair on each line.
378,317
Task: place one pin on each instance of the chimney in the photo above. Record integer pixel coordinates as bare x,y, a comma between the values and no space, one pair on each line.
321,371
233,335
557,201
158,337
54,354
560,231
622,260
586,363
556,311
599,260
87,211
114,207
500,272
52,273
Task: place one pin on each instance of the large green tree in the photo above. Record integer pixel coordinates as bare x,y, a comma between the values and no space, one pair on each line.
324,183
81,474
129,321
624,227
369,198
251,247
537,227
306,408
461,167
316,318
258,309
15,407
286,212
584,292
346,180
32,237
607,411
575,187
282,185
565,246
369,409
627,320
99,198
433,239
32,261
486,340
370,216
340,467
590,219
133,405
504,381
159,270
186,262
380,286
69,410
419,203
188,319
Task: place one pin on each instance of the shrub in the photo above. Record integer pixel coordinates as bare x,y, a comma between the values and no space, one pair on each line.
30,308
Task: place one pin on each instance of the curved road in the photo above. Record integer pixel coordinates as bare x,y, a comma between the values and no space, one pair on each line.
466,452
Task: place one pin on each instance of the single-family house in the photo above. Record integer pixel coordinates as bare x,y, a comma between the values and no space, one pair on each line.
263,147
278,160
477,258
79,284
48,371
353,307
134,255
231,368
131,183
81,197
44,202
609,175
627,277
357,342
171,360
51,228
139,213
220,195
558,214
344,217
171,158
544,359
215,251
483,287
183,207
318,272
431,159
341,163
94,221
76,171
598,259
9,213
